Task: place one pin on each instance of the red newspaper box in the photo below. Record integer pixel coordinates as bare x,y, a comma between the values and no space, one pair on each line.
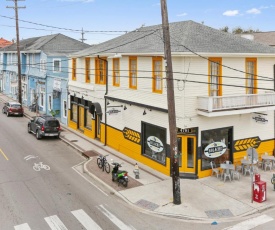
259,191
257,177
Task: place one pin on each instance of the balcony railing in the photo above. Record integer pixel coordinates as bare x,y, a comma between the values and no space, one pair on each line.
222,103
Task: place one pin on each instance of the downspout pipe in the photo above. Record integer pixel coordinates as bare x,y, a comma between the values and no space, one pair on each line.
105,99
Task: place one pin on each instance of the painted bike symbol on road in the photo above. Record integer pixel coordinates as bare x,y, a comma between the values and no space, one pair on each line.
39,166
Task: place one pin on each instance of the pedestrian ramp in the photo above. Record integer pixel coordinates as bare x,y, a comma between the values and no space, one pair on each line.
85,221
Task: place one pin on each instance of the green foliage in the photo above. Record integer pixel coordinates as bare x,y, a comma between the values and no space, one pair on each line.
54,112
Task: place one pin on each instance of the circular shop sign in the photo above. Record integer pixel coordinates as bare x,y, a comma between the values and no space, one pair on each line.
155,144
215,149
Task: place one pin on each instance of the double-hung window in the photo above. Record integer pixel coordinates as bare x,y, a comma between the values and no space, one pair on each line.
157,74
56,65
100,71
215,76
74,69
251,75
43,65
133,72
87,70
116,81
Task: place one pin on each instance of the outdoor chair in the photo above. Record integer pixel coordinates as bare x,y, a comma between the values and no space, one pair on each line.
246,169
215,170
267,164
226,174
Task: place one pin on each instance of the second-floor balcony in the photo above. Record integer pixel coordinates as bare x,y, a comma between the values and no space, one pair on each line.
235,104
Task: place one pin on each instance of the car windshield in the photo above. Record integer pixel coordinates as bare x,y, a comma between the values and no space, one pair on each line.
16,106
52,123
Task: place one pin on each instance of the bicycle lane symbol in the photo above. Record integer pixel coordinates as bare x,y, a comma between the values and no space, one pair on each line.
40,165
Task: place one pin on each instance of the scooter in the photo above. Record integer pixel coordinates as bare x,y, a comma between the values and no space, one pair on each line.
121,176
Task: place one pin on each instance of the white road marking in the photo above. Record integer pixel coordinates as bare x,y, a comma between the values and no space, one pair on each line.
55,223
89,181
85,220
251,223
29,157
22,227
114,219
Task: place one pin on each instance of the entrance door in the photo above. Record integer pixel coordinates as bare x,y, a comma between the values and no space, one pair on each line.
187,148
97,126
81,117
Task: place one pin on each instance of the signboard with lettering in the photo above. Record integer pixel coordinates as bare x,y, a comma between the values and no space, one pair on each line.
155,144
215,149
57,84
113,111
260,118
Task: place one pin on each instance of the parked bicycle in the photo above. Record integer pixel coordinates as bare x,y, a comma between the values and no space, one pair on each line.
103,163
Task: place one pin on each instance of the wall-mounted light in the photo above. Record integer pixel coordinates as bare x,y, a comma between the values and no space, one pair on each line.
144,113
82,97
108,103
74,94
125,107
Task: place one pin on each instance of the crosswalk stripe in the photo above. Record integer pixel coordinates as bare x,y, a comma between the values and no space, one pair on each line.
114,219
55,223
251,223
22,227
85,220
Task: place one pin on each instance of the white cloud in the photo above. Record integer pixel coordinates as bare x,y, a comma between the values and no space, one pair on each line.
181,15
84,1
157,4
253,11
231,13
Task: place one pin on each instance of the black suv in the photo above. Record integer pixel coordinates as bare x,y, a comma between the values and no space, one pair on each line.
44,126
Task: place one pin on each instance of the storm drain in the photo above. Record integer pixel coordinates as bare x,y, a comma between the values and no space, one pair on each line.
147,204
74,141
219,213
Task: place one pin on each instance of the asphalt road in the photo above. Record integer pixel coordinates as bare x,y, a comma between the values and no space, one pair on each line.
62,197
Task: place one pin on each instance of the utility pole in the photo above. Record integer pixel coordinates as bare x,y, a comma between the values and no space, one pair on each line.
171,106
15,7
82,36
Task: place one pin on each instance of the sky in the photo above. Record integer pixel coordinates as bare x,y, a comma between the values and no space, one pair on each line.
102,20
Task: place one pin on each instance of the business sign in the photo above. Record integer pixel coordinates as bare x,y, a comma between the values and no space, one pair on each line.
215,149
57,84
260,118
155,144
113,111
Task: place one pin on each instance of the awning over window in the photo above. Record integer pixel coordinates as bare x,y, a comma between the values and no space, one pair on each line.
95,107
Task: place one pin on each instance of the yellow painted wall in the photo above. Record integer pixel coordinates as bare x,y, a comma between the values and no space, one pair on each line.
71,124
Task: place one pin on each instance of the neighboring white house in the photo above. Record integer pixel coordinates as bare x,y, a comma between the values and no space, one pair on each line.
224,96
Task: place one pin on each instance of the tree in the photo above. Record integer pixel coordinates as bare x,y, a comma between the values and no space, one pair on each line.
239,30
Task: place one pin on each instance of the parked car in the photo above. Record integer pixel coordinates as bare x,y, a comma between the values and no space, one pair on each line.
44,126
13,108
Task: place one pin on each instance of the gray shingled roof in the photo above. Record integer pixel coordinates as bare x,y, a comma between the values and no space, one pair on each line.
267,38
57,44
195,36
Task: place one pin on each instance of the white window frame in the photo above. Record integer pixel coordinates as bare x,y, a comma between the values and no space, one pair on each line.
50,100
65,108
59,70
42,65
42,97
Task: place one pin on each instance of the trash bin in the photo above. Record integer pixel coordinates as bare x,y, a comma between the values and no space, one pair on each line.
259,191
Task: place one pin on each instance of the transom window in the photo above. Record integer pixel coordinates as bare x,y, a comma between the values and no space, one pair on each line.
133,72
157,74
251,75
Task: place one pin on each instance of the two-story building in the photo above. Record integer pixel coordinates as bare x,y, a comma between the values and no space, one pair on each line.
224,96
44,72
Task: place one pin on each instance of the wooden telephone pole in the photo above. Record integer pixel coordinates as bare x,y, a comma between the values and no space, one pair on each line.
171,106
15,7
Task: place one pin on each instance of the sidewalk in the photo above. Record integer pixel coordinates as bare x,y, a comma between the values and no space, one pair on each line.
207,199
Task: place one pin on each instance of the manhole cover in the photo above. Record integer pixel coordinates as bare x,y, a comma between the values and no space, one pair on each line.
219,213
147,204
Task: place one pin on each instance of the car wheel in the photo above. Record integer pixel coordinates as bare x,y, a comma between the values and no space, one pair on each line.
57,137
37,135
8,114
29,129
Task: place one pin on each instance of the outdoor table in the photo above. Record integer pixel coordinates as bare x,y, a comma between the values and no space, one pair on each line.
227,168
